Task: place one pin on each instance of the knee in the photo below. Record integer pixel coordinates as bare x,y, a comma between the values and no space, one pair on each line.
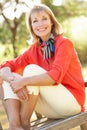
33,69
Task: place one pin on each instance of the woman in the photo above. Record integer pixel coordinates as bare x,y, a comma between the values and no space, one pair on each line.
46,77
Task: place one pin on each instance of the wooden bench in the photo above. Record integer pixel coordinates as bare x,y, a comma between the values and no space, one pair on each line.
61,124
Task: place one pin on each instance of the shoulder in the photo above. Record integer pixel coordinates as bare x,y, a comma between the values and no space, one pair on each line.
60,40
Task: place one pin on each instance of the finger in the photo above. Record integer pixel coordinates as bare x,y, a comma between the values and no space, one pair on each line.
20,95
15,90
23,94
26,95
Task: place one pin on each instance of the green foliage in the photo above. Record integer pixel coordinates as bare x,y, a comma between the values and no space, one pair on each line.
6,52
5,34
6,39
65,15
76,29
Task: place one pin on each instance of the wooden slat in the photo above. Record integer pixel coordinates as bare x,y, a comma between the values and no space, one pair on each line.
62,124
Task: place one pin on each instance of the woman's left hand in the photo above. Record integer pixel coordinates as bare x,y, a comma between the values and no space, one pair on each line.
16,83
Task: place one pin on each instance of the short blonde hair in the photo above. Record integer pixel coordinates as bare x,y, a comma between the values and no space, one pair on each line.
56,27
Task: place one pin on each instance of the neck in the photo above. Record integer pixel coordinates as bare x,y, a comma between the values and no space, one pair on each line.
46,39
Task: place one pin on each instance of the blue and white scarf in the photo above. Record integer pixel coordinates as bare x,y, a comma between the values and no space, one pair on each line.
48,48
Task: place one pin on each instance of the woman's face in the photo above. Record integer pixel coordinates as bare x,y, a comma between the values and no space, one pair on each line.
41,24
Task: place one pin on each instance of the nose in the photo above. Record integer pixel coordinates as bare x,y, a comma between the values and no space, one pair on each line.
40,23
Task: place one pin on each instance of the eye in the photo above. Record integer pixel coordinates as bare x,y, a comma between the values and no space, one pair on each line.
34,21
44,18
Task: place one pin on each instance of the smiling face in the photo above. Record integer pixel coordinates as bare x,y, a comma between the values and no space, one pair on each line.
41,24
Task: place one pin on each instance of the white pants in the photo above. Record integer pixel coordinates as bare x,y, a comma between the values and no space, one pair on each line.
54,101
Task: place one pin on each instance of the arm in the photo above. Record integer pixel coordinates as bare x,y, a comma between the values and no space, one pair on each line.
18,64
59,68
7,75
40,80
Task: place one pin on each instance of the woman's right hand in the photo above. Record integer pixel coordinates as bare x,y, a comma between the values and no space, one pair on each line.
23,94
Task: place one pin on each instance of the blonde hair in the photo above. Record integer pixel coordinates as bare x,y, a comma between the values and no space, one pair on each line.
56,27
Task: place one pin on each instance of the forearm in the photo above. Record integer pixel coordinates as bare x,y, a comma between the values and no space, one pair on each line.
5,73
39,80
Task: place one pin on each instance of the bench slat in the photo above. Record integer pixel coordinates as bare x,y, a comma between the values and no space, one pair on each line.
62,124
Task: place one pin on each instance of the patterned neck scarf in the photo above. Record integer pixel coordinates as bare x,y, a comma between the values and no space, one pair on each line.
48,48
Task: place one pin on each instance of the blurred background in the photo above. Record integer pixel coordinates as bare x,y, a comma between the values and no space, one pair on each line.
72,14
14,35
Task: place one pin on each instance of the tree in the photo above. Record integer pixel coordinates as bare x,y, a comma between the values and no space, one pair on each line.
15,32
68,8
13,22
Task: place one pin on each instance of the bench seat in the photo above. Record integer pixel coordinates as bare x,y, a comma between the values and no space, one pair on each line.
61,124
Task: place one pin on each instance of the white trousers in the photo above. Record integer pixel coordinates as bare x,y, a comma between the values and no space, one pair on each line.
54,101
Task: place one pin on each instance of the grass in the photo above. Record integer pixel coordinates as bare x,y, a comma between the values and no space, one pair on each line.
3,118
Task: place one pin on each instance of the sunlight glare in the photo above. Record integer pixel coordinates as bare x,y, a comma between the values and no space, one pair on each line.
79,27
10,7
10,11
1,19
57,2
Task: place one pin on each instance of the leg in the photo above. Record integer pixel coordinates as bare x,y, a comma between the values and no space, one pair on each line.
12,100
12,106
13,114
54,101
57,102
29,107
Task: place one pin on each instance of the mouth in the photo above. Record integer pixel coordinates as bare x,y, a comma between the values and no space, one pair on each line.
42,29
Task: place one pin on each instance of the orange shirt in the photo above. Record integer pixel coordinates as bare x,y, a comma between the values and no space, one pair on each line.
64,67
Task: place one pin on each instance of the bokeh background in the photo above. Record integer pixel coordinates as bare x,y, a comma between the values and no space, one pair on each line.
14,35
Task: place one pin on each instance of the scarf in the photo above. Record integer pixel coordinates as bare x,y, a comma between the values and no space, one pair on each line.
48,48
